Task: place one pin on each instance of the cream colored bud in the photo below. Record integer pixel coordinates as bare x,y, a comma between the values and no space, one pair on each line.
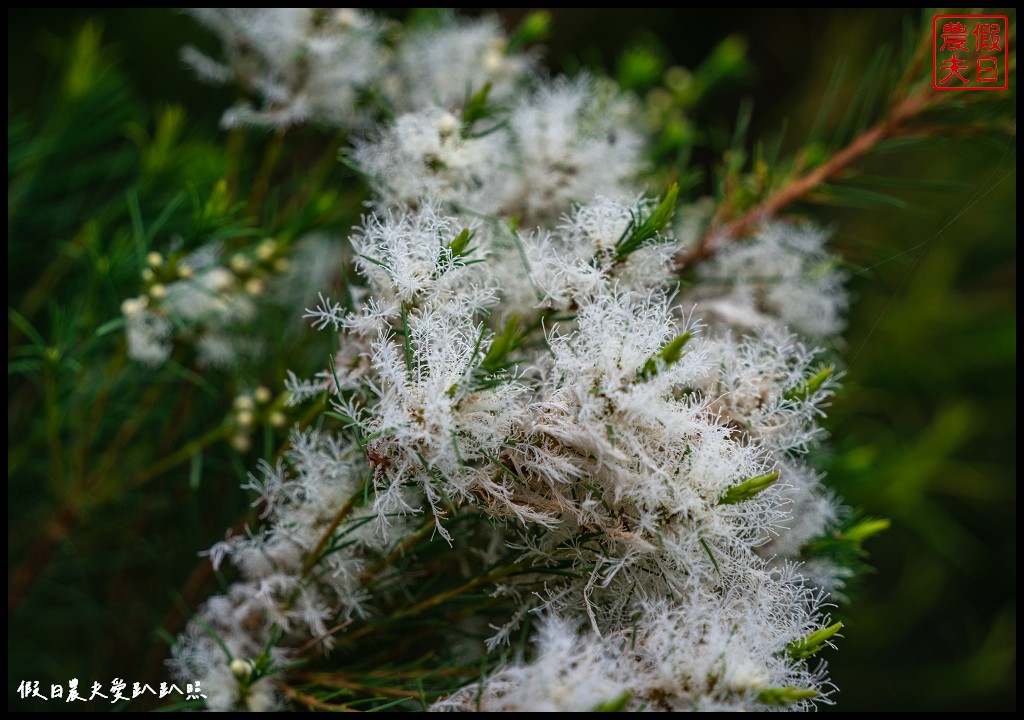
254,286
266,249
184,271
158,292
494,60
240,263
240,668
243,402
347,18
278,419
281,264
148,274
131,306
447,124
154,259
263,395
241,443
677,77
245,418
743,676
220,279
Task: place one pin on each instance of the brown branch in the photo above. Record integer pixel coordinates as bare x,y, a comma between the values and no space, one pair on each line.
801,187
371,573
311,702
194,588
313,642
21,580
333,680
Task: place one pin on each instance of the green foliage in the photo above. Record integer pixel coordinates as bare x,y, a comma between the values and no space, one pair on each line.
460,245
534,28
785,695
642,230
815,642
810,386
668,355
748,488
615,705
476,107
97,183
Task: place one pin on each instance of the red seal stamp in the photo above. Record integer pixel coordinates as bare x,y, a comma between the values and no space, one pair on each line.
969,52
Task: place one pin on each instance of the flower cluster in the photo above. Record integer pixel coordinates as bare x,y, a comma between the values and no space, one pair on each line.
234,640
520,348
341,67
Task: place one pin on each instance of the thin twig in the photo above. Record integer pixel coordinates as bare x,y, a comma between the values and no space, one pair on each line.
436,600
374,570
38,557
73,509
266,171
802,186
311,702
343,512
336,681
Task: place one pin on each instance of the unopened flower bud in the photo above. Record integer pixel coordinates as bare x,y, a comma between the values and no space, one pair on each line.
240,668
240,263
131,306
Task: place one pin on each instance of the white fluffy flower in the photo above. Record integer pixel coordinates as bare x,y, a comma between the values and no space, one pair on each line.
205,305
415,258
569,674
304,64
758,384
148,335
571,140
442,66
519,348
782,275
429,154
435,418
580,258
704,654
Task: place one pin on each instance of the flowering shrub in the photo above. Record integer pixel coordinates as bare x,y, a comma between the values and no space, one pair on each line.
558,455
519,352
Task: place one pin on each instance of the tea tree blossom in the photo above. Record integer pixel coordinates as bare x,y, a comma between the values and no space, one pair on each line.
629,451
439,66
304,64
781,276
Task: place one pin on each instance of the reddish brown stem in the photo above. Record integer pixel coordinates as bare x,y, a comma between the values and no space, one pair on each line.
58,528
311,702
336,681
192,591
800,187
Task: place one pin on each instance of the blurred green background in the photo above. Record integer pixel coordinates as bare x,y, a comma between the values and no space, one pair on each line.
922,433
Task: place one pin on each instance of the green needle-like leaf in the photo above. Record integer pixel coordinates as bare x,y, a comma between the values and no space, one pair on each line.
748,488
